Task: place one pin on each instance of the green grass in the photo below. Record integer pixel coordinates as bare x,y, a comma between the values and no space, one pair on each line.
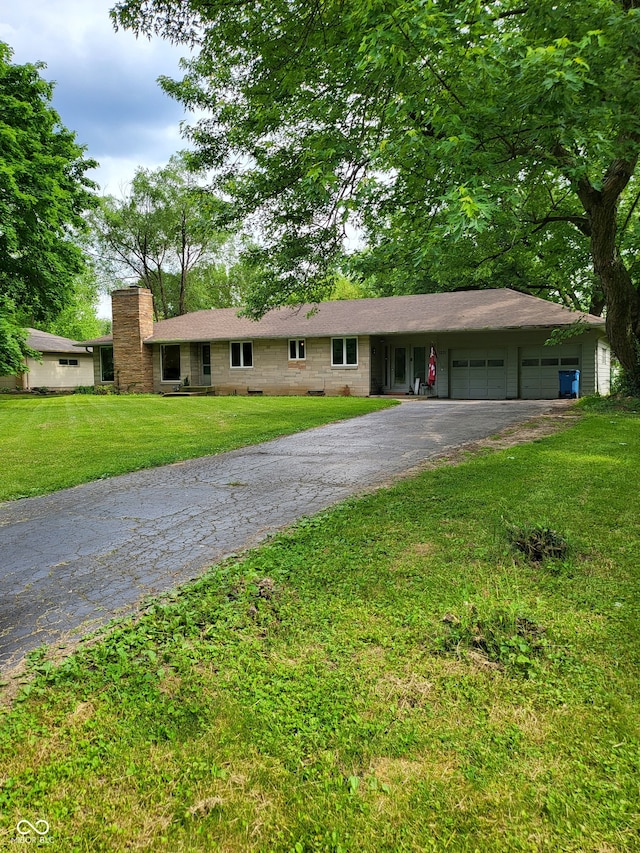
390,675
55,442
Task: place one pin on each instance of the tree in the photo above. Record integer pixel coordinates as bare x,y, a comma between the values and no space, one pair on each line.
551,263
44,193
422,122
79,319
222,283
13,340
164,234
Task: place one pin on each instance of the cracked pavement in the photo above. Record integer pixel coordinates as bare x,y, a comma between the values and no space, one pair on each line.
73,560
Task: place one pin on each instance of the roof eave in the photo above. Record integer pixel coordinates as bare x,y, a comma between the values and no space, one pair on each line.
449,330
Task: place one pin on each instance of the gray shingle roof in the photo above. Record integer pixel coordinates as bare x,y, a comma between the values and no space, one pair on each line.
469,310
431,312
105,340
45,342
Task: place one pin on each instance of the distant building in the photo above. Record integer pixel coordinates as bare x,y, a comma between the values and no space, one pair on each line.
63,367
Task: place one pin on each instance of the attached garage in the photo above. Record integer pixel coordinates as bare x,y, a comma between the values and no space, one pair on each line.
479,374
539,368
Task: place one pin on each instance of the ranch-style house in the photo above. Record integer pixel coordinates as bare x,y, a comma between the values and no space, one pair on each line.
487,344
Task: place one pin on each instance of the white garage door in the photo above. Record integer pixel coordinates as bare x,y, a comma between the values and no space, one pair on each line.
539,368
478,374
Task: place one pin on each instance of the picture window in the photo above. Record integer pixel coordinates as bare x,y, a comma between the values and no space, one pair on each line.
170,357
106,364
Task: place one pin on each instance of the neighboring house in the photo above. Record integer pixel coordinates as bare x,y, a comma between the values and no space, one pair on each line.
490,344
63,365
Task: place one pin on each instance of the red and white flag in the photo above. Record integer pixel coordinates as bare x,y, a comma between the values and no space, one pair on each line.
431,374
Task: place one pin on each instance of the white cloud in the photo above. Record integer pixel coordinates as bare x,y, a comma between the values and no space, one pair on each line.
150,152
105,82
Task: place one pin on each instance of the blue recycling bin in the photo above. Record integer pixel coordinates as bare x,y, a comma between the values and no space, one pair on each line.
569,383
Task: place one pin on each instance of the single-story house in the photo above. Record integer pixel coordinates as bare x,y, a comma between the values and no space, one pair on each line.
488,344
63,367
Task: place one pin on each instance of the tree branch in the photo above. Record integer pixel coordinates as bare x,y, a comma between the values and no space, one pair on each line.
629,215
581,222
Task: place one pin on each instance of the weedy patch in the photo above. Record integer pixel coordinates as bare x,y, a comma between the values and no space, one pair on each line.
502,639
538,542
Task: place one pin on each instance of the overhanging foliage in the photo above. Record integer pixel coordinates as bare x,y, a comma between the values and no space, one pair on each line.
503,128
44,193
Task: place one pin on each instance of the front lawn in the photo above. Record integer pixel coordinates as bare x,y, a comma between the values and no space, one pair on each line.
54,442
390,675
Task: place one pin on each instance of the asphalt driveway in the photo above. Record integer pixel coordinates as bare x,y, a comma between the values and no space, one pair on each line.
71,561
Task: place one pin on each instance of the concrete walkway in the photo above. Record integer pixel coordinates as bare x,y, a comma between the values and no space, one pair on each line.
71,561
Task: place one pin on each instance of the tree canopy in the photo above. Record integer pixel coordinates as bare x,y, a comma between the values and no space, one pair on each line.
79,319
165,234
44,193
509,129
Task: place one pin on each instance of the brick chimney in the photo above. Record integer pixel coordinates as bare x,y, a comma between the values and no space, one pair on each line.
132,310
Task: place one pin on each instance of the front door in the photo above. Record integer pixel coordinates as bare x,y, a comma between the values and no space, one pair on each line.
205,367
400,379
419,366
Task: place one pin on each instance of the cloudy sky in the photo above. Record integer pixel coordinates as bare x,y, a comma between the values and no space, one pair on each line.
106,89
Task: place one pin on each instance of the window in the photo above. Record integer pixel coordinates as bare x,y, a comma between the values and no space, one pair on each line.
106,364
570,362
549,362
206,359
63,361
477,362
170,362
297,350
495,362
344,352
460,362
531,362
241,353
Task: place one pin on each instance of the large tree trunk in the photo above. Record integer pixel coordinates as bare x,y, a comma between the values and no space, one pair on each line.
623,300
622,297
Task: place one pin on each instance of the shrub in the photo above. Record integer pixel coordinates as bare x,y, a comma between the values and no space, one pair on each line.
625,384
